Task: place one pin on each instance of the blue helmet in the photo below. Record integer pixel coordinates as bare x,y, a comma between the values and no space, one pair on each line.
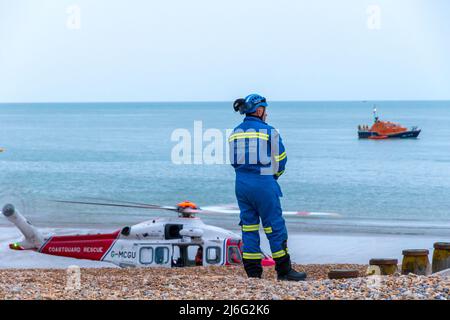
250,103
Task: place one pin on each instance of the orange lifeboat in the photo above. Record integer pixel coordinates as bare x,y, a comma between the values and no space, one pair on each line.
385,129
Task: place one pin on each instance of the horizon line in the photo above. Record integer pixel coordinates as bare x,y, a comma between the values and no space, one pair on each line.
220,101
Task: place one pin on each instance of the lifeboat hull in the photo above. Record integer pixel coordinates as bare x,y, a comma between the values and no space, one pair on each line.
376,136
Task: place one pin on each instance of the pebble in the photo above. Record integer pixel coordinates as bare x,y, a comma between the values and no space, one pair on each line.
226,283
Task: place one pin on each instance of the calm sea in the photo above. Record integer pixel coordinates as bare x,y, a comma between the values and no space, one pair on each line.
123,151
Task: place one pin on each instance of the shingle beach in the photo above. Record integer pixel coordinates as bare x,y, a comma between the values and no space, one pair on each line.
214,283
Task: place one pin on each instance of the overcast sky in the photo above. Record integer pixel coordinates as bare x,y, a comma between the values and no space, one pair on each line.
178,50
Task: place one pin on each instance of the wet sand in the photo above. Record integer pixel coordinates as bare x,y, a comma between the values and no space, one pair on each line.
213,283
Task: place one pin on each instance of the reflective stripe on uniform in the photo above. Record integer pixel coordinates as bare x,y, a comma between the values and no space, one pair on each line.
250,227
238,134
279,254
268,230
252,256
279,173
280,157
249,135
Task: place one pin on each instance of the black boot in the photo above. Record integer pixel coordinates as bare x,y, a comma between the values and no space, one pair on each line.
285,271
253,268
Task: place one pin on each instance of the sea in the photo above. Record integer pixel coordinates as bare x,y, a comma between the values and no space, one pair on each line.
390,194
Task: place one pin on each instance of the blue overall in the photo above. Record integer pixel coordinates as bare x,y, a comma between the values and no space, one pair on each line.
259,158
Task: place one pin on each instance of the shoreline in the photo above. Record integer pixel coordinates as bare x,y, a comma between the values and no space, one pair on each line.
305,248
222,283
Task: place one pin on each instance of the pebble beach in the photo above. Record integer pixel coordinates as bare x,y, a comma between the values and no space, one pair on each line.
221,283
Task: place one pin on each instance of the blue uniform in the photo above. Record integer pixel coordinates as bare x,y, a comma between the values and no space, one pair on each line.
259,158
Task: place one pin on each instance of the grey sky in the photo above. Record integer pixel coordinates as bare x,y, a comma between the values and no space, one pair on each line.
179,50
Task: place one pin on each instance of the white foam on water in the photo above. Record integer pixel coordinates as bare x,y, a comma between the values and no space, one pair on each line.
310,248
320,248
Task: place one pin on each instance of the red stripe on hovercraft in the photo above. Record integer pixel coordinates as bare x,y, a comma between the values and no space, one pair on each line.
91,247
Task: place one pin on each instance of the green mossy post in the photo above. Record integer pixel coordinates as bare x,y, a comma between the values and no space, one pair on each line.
441,256
415,261
387,266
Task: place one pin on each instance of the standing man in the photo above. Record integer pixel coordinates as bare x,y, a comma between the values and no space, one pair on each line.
258,156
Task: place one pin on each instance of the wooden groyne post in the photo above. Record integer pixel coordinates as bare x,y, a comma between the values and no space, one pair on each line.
386,266
441,256
415,261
